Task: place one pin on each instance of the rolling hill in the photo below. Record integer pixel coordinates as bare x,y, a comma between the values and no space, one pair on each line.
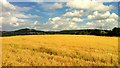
114,32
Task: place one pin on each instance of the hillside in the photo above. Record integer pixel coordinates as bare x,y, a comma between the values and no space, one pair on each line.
114,32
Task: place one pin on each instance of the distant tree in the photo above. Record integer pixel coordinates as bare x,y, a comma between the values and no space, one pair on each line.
116,31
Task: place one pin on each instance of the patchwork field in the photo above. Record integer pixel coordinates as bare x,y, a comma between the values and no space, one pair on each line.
59,50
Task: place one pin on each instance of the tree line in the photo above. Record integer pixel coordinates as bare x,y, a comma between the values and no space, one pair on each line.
114,32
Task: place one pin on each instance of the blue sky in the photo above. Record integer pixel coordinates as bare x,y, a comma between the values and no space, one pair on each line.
45,14
59,15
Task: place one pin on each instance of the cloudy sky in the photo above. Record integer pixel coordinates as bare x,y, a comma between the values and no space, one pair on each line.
58,15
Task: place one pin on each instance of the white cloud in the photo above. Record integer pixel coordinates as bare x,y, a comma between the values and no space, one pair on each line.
5,4
9,7
60,26
90,5
1,19
90,24
32,16
77,20
100,16
104,24
52,6
18,14
12,17
61,23
23,8
75,13
55,19
73,19
97,12
13,21
35,23
104,20
114,16
97,16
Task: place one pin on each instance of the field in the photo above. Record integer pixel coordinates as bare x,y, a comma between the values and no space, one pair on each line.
59,50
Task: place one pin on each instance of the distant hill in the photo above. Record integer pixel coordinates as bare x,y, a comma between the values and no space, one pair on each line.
114,32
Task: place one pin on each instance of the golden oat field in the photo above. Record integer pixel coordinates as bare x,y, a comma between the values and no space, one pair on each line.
59,50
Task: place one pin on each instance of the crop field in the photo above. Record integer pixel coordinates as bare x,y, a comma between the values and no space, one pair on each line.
59,50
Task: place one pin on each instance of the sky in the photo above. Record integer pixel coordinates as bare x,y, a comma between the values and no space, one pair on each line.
56,16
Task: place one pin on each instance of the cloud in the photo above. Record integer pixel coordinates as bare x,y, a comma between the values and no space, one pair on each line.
75,13
52,6
18,14
77,20
32,16
13,21
104,24
34,25
114,16
66,19
54,25
12,17
105,20
75,16
61,23
55,19
23,8
5,4
99,16
90,5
